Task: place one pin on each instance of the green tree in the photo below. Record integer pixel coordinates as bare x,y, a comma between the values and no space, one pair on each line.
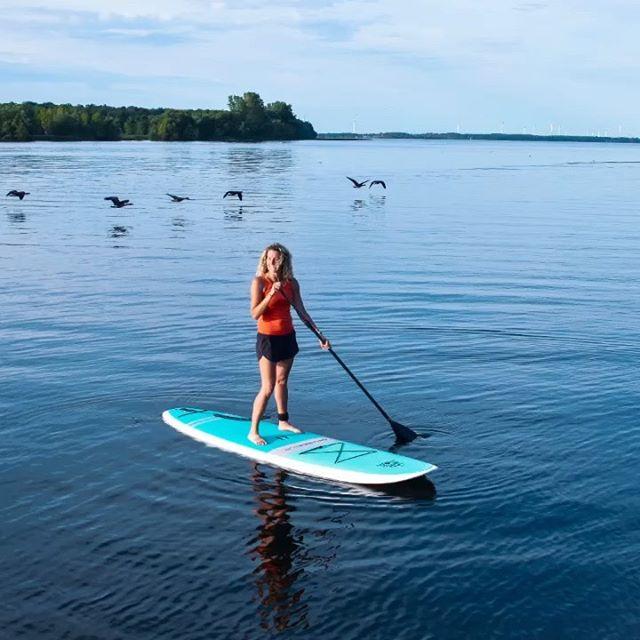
104,127
20,128
246,119
281,111
173,125
64,123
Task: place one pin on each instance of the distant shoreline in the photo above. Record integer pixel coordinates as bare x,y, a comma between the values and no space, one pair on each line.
344,137
509,137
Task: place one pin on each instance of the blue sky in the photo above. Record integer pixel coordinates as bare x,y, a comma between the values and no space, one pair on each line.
566,66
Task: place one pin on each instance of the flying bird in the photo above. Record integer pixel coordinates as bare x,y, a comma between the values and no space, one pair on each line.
356,184
17,194
382,182
177,198
117,203
233,193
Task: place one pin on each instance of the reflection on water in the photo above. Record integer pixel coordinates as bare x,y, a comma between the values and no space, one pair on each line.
378,201
372,203
416,490
233,213
180,223
280,600
241,161
491,309
16,217
119,231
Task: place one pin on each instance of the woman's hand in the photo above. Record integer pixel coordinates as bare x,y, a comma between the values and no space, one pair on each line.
274,289
326,345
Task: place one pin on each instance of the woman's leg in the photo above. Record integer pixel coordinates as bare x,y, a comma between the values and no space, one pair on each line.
267,378
283,369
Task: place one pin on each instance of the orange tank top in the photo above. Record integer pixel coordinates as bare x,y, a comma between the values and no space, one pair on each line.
276,319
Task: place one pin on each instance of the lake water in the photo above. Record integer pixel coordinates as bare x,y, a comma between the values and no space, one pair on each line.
488,299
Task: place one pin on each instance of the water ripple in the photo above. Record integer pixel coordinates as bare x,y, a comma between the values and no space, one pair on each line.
487,299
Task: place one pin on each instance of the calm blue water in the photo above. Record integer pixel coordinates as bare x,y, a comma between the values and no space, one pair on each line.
489,299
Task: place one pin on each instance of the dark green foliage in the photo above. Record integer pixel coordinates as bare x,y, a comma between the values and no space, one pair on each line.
248,119
216,125
16,122
173,125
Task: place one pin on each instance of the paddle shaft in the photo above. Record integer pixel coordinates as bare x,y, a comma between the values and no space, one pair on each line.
322,338
351,374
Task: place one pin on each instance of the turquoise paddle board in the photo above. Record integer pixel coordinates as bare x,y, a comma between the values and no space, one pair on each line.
307,453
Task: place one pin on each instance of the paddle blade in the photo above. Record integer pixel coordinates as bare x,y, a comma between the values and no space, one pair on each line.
403,434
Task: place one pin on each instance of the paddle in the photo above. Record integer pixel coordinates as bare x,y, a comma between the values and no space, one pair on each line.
403,433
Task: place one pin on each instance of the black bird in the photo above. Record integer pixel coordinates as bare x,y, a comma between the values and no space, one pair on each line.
233,193
17,194
356,184
117,203
177,198
377,182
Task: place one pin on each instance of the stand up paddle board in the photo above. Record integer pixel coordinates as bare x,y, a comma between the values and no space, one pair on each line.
307,453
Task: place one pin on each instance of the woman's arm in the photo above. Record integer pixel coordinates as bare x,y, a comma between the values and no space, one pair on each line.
259,302
304,314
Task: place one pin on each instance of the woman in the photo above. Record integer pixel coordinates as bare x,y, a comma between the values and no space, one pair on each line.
272,291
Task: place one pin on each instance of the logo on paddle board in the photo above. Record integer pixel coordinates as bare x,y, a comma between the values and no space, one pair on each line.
390,464
339,450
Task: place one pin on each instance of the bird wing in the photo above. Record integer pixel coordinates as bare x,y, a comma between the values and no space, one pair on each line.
124,201
383,183
13,192
113,199
240,195
172,196
226,194
355,182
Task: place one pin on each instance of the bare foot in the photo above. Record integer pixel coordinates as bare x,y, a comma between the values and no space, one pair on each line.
287,426
257,439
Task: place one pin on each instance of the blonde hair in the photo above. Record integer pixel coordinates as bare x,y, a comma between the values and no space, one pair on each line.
285,270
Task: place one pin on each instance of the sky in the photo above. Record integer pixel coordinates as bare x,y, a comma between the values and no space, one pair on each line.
533,66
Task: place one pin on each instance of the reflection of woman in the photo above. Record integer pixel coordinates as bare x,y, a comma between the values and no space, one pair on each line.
281,603
271,292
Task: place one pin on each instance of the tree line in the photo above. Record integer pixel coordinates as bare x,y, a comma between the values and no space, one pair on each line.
344,135
246,119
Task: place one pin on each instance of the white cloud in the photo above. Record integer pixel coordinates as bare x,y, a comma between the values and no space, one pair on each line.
436,61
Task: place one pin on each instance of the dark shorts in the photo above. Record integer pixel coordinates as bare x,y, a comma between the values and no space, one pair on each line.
276,348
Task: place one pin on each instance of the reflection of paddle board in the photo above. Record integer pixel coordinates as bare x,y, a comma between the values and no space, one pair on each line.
307,453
